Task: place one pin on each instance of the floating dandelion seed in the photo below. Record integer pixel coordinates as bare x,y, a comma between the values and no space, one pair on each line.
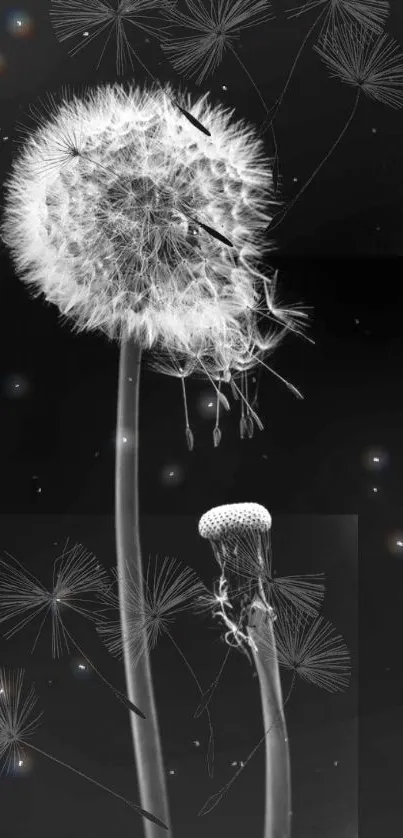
371,64
212,31
76,574
18,723
168,590
311,648
71,18
371,14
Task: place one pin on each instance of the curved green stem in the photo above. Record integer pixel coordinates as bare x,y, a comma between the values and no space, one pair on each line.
146,738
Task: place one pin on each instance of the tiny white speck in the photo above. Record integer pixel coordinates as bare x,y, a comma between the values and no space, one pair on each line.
125,439
336,762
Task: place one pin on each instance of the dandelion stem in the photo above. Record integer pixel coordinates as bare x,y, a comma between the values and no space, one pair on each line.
96,783
146,738
278,782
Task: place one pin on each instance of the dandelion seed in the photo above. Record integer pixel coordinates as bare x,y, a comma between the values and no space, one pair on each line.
17,725
311,648
370,14
371,64
100,17
76,576
211,32
168,590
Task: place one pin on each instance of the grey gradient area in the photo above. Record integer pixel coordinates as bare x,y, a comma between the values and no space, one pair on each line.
85,726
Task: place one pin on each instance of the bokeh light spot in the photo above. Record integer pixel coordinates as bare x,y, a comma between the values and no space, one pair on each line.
19,24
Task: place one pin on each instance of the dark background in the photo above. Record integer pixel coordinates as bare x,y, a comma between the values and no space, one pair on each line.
339,251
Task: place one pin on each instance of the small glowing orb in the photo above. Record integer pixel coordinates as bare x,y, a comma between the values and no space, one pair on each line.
80,668
15,386
172,475
206,404
375,459
125,440
395,543
19,24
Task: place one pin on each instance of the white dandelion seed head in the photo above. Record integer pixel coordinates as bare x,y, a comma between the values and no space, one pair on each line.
234,518
101,213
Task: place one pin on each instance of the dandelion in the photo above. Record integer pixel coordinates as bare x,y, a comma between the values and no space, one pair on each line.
108,214
83,21
371,64
293,637
239,535
168,590
18,723
75,573
244,611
